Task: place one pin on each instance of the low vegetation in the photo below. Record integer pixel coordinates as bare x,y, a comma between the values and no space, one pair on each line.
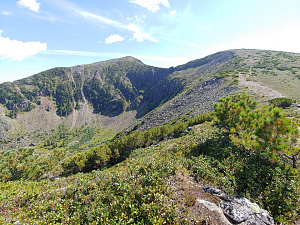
131,183
127,195
24,164
77,139
121,146
90,175
282,102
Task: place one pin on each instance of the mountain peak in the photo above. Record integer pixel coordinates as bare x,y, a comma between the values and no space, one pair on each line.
122,59
130,58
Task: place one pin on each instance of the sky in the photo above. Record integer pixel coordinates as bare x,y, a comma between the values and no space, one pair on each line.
36,35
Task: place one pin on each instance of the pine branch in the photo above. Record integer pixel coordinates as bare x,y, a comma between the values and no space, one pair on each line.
287,156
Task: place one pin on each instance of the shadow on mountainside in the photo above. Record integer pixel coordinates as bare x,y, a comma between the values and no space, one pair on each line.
254,175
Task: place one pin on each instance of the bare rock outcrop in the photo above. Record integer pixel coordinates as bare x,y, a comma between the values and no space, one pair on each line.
207,205
239,210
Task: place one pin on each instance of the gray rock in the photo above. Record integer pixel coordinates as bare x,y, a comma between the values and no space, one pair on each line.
218,192
235,213
4,128
241,210
48,108
213,207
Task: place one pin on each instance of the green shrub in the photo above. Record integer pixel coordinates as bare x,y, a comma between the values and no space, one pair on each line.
263,129
135,194
234,82
282,102
24,164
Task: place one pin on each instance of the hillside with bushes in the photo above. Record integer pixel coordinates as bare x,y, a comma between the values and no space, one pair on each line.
159,175
121,93
121,142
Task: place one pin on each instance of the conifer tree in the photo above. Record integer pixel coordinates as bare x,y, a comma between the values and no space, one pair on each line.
264,129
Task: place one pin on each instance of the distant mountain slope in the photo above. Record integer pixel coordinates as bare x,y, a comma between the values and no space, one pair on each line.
110,87
121,93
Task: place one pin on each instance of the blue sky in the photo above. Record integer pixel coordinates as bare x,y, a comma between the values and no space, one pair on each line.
36,35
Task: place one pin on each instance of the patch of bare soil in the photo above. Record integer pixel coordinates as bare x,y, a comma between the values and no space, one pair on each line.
297,222
257,87
194,203
85,116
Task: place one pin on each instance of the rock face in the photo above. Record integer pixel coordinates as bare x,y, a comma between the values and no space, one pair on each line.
239,210
5,126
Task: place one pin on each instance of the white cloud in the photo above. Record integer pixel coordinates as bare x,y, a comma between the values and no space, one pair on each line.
113,38
149,59
152,5
282,38
98,18
6,13
31,4
173,13
18,50
139,36
137,33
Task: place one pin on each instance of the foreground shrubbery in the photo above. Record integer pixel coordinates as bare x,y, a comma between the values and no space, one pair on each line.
24,164
273,184
136,191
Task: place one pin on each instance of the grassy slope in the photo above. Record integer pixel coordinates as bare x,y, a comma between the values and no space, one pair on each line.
138,190
77,139
277,70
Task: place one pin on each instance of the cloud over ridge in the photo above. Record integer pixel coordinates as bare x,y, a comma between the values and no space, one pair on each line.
18,50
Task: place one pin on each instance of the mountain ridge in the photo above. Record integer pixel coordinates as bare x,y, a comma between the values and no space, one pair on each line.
123,92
